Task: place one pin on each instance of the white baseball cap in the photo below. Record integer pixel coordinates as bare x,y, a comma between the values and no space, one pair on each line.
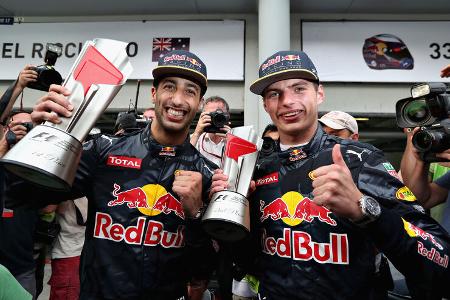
339,120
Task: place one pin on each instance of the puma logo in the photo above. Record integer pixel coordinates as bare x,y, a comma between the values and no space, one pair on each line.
359,155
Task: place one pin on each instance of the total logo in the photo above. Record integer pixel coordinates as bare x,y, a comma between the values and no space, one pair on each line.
292,208
150,200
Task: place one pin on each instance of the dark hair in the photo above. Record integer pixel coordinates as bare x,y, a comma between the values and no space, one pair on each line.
217,99
269,128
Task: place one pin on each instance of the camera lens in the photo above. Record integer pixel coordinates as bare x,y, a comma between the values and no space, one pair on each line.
417,112
423,140
219,120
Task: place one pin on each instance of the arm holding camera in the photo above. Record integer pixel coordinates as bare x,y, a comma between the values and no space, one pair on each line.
203,121
415,175
8,99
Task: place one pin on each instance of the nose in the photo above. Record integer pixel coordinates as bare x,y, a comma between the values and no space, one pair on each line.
177,97
285,99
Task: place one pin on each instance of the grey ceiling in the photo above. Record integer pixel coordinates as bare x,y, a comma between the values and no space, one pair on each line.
145,7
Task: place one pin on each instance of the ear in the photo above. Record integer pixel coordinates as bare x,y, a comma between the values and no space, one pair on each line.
153,94
354,136
200,104
320,94
264,105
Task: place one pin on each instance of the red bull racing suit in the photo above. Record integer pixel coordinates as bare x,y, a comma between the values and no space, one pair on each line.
139,243
307,252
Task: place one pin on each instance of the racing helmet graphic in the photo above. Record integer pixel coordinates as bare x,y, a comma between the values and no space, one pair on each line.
386,51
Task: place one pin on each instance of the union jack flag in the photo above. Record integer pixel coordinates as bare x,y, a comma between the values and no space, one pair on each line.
162,46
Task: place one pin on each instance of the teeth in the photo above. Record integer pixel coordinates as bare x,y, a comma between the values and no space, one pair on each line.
175,112
291,114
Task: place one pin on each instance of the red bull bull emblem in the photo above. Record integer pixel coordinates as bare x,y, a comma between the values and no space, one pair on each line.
167,151
151,235
134,198
297,154
292,208
151,200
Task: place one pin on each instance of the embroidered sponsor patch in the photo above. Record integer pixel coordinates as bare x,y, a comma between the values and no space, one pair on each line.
123,161
268,179
167,151
405,194
7,213
297,154
391,170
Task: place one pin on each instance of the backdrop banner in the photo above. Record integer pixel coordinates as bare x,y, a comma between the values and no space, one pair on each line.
378,51
220,44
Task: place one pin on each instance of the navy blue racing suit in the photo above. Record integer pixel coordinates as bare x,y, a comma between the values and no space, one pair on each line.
307,252
139,243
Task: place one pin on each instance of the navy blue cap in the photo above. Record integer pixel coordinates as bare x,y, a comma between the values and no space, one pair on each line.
284,65
182,63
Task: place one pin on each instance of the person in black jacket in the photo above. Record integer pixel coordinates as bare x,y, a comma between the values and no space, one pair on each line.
323,205
146,191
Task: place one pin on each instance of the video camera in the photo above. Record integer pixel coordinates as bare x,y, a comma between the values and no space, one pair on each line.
218,120
428,108
47,75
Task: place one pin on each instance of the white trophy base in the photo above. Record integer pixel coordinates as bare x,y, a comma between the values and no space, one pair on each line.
46,156
227,217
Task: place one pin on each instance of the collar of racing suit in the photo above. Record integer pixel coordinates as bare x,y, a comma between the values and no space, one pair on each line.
314,145
163,150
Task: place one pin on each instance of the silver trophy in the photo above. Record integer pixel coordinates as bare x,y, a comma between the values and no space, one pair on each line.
227,217
49,154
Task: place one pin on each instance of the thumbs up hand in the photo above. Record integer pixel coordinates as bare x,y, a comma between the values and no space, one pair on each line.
334,188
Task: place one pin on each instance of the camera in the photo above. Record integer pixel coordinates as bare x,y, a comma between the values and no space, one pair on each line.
28,126
268,147
11,137
218,120
428,108
47,75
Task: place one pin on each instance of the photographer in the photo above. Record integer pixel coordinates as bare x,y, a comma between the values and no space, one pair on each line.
212,126
415,175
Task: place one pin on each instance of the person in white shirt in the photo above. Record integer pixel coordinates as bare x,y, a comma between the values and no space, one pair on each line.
211,144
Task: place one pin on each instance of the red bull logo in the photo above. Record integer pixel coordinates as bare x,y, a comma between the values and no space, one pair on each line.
414,231
151,200
292,208
167,151
151,235
298,245
291,57
134,198
433,255
297,154
169,204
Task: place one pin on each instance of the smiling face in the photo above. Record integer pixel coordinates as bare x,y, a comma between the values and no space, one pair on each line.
176,103
292,105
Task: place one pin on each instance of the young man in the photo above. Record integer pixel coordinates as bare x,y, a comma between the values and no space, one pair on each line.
145,192
330,203
340,124
210,144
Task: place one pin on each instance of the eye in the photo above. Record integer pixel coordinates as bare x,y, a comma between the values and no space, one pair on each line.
168,86
298,89
272,95
191,92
